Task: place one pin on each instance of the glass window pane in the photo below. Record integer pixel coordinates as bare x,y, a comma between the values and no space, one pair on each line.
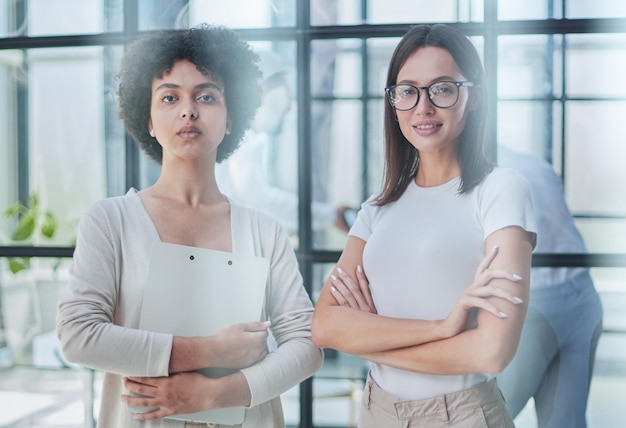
596,64
375,161
262,173
526,125
336,68
246,13
603,235
594,168
400,11
379,53
595,9
529,9
58,17
528,66
66,130
336,166
11,82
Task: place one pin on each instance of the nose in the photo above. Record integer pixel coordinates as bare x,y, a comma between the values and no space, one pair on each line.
424,105
188,111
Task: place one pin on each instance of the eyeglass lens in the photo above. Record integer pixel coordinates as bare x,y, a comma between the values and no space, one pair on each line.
441,94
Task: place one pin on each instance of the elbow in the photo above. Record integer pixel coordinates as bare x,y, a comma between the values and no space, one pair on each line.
319,333
496,360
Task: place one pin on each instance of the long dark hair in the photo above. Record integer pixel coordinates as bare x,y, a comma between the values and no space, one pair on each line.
401,158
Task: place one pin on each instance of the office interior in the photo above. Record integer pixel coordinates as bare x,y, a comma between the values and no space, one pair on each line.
556,79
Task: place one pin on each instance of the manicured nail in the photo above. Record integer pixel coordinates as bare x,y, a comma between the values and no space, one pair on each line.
339,269
495,247
518,300
334,278
516,277
333,289
359,268
502,314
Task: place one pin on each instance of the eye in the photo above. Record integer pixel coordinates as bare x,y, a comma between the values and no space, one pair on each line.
443,89
405,91
168,99
207,98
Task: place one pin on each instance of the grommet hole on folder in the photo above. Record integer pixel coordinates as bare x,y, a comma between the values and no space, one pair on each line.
230,262
191,257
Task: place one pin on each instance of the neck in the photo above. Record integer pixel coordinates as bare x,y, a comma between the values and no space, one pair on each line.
435,170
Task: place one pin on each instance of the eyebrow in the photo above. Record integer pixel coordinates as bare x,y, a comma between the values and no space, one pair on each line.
207,85
435,80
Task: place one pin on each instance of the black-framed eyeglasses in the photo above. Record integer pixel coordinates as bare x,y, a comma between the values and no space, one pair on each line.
443,94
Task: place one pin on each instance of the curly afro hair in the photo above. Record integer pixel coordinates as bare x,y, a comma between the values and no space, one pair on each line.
213,49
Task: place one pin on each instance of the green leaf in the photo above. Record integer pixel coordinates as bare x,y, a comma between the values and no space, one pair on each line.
25,228
17,264
33,201
13,209
49,225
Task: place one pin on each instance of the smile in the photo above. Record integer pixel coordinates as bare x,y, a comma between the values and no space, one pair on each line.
427,126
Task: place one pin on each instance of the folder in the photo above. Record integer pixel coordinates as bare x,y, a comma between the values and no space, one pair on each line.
197,292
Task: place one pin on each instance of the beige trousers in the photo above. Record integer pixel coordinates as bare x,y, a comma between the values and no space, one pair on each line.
481,406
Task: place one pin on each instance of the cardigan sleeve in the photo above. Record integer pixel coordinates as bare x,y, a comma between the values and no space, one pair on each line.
98,316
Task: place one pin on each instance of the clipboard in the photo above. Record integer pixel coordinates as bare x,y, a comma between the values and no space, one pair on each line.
196,292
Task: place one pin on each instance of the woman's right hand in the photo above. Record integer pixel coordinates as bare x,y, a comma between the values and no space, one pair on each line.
240,345
476,296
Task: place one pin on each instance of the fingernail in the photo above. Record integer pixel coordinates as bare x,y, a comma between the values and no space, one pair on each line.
339,269
518,300
495,247
359,268
516,277
502,315
334,278
333,289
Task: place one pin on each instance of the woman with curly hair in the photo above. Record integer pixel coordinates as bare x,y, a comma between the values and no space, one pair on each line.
186,97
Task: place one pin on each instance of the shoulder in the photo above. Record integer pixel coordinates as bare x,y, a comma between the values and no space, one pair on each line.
115,204
504,179
257,228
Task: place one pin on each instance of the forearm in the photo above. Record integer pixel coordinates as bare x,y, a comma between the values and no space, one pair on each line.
476,350
357,332
190,353
230,391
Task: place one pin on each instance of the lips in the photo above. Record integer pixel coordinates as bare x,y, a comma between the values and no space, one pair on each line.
427,127
188,132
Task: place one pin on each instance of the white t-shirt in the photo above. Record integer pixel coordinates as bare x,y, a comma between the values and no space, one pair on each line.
422,252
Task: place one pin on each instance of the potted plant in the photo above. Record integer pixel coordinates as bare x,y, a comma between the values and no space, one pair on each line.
30,291
33,222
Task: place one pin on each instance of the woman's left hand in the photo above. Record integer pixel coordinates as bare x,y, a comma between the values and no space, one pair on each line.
175,394
349,294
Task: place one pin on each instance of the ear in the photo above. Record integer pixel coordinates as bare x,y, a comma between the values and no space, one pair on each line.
150,129
228,125
473,102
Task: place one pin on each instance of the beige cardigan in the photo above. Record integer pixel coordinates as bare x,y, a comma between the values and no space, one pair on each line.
99,313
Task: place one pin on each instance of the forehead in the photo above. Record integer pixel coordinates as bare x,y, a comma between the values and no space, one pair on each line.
185,72
427,64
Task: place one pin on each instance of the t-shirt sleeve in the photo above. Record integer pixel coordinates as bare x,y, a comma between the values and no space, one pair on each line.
505,200
362,227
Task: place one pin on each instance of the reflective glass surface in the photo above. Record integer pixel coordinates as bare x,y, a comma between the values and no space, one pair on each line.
607,53
350,12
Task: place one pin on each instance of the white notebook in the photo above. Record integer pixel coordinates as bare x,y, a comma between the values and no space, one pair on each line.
197,292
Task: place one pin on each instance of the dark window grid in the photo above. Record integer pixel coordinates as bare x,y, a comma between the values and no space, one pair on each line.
304,35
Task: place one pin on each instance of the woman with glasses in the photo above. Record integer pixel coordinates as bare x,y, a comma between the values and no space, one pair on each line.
186,97
433,283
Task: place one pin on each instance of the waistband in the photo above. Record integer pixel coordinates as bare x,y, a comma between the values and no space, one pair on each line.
441,405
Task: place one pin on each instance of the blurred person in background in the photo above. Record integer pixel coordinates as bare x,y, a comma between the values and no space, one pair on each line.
247,176
555,358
